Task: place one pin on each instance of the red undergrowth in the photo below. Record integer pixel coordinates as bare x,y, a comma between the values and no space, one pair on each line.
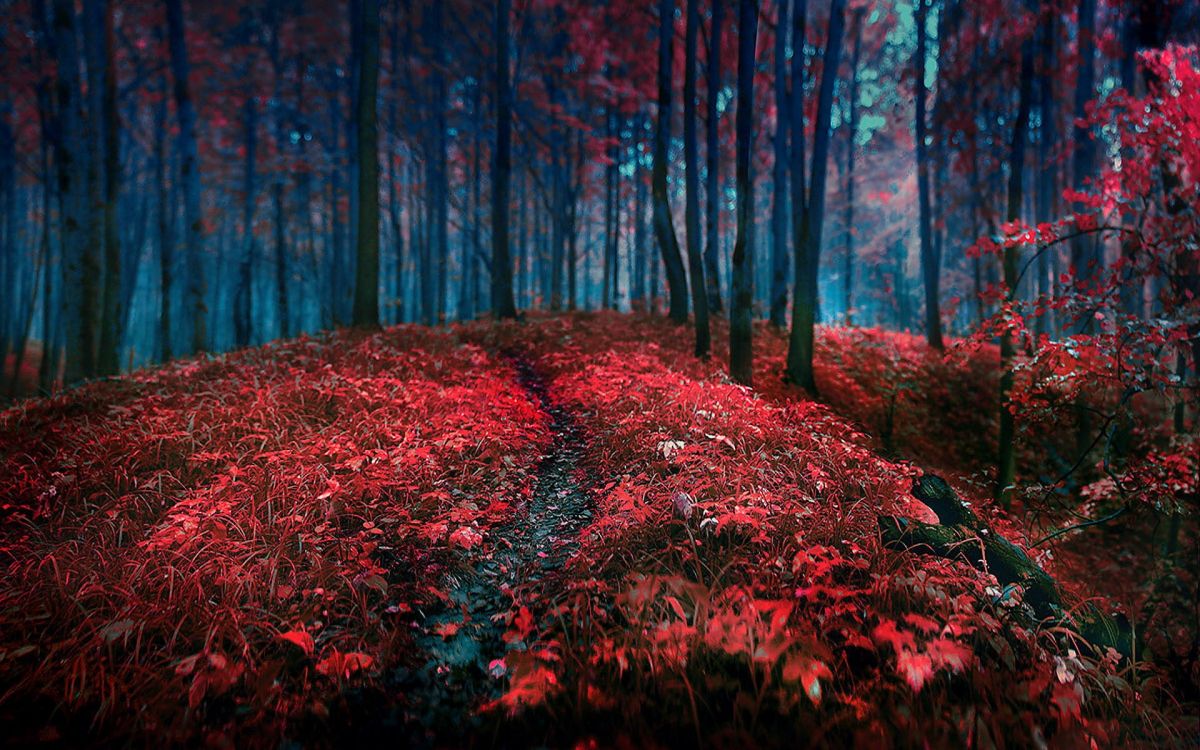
227,549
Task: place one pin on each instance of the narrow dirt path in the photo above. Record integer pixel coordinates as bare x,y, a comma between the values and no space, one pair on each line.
464,639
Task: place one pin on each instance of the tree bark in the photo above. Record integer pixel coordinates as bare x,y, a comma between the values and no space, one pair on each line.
809,218
779,196
1083,248
961,535
712,249
79,267
741,354
930,262
1006,469
640,260
692,185
1047,192
113,314
851,154
366,277
189,173
503,303
242,297
664,226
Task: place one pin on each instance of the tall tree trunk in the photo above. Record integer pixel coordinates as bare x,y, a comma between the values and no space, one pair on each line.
1006,469
809,218
189,173
1047,193
10,272
503,304
692,183
664,227
1083,248
79,262
366,276
779,192
166,235
741,354
851,154
930,262
337,231
282,258
441,230
712,249
111,325
91,26
639,260
612,211
242,297
574,171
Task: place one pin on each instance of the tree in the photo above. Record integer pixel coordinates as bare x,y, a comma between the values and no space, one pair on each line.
692,184
664,226
779,246
741,355
851,153
366,278
189,172
1006,463
930,260
113,312
79,261
808,213
503,304
712,247
282,264
1083,254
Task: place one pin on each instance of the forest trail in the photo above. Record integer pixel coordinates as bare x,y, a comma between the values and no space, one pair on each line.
464,640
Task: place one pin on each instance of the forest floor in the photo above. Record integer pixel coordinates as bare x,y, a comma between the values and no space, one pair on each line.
563,532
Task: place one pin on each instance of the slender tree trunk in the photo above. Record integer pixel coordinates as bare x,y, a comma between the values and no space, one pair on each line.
441,230
574,169
811,214
523,255
166,236
503,304
692,184
10,272
712,249
779,176
851,154
91,26
1006,463
639,260
366,278
1047,193
111,328
1083,248
1133,289
242,298
741,354
78,266
610,200
664,227
189,173
930,263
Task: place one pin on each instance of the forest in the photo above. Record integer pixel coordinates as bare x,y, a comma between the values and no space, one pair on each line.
566,373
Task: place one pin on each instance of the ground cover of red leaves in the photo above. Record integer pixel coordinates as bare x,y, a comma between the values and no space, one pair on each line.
288,544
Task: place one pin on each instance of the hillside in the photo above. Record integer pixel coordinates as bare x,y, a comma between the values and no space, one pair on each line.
565,531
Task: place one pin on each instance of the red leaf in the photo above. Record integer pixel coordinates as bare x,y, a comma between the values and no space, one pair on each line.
342,665
301,640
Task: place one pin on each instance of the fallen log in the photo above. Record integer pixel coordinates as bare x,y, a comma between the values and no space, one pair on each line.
962,535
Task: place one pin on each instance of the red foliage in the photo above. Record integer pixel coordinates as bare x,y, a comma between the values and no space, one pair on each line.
228,548
192,531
